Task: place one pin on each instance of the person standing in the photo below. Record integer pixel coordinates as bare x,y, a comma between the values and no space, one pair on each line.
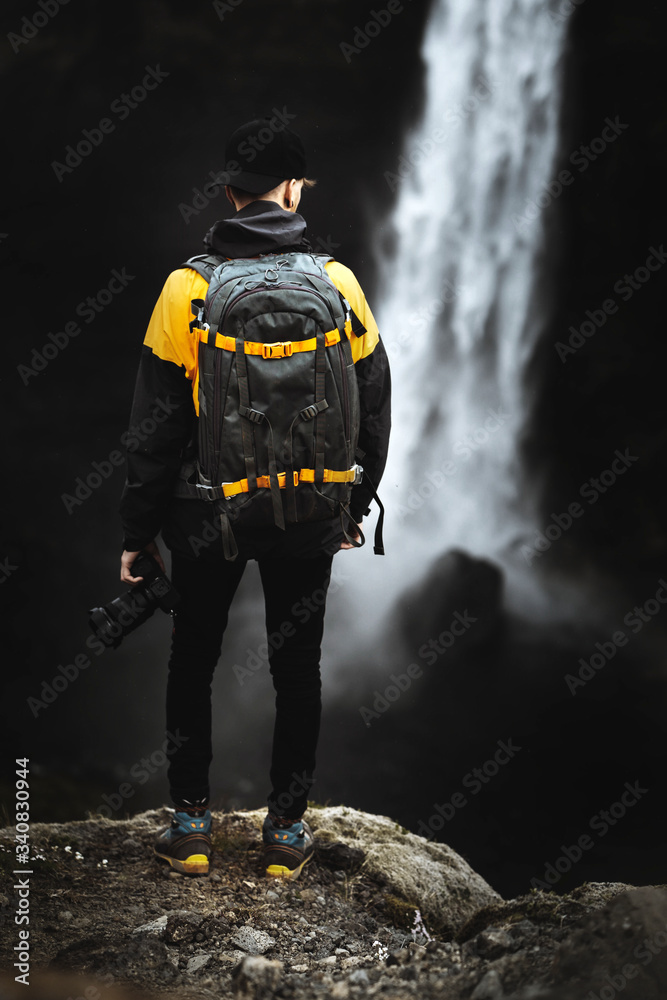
294,561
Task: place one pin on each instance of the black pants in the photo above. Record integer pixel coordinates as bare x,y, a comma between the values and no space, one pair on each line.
295,596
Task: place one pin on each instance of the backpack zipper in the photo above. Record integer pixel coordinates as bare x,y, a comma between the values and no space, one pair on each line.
264,288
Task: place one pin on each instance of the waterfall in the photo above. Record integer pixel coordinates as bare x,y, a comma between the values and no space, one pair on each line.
457,305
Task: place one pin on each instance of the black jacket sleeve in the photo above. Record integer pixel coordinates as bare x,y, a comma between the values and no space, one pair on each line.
161,427
374,381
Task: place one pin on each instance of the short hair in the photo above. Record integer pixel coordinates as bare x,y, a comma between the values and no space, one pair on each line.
240,195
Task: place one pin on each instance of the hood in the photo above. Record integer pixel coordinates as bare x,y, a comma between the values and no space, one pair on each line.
260,227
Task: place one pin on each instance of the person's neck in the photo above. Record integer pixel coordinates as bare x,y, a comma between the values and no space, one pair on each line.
275,199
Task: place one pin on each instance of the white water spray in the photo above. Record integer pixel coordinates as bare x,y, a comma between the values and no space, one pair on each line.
458,307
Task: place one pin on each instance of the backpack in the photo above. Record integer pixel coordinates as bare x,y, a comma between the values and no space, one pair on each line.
278,396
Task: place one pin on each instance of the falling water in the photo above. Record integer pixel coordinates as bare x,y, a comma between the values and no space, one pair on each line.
458,306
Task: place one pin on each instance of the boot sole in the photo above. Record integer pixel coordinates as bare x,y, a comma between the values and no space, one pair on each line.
281,871
196,864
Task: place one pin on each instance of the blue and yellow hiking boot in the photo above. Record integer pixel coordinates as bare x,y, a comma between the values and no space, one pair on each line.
186,843
288,846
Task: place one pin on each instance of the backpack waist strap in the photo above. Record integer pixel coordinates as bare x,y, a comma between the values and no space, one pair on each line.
280,349
303,476
184,488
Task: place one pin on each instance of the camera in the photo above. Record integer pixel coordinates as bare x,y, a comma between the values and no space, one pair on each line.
112,622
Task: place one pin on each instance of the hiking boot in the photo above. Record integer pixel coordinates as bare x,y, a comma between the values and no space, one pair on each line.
288,846
186,843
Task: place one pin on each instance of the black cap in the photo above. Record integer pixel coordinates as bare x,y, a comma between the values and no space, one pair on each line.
264,152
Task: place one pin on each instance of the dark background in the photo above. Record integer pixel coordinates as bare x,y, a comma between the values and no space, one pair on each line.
120,209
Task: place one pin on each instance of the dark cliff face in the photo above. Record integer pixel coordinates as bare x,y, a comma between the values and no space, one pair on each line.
604,364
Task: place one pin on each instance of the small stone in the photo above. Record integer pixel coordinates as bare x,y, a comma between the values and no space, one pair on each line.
182,926
329,960
493,942
488,988
272,895
300,968
349,963
65,916
256,978
231,958
340,991
215,877
153,927
359,978
252,940
197,962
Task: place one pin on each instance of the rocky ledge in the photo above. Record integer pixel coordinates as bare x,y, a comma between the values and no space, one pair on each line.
378,912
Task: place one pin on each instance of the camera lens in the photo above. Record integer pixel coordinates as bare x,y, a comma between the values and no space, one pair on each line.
121,616
112,622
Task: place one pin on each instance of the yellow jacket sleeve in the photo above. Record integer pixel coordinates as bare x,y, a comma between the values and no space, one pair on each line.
168,334
363,341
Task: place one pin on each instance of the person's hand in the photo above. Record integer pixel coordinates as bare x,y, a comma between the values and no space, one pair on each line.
348,545
128,558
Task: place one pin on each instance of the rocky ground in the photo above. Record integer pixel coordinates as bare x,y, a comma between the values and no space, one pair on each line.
378,912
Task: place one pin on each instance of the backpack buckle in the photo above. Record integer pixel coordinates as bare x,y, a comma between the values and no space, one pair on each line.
280,349
358,474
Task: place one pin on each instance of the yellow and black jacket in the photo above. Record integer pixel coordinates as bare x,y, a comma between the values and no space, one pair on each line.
165,409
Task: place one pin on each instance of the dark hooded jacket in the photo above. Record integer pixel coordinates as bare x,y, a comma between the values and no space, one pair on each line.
163,424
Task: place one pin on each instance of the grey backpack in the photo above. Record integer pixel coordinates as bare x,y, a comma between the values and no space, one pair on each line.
278,395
